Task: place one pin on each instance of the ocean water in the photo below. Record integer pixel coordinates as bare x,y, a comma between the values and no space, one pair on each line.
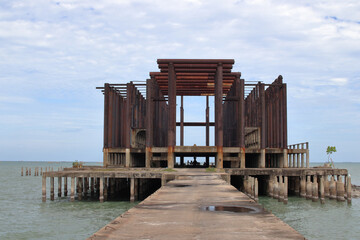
24,216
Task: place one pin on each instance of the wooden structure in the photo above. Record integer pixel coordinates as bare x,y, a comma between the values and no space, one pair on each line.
250,125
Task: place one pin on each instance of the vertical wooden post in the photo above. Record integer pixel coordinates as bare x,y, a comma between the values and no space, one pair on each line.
101,195
44,188
219,134
182,127
207,120
172,115
52,188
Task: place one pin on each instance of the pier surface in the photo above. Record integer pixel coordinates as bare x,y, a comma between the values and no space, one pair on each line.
197,205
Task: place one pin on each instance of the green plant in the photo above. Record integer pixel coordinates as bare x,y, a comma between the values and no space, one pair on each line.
211,169
329,151
77,164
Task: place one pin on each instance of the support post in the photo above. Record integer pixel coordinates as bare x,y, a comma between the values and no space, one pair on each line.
307,156
285,190
182,128
172,115
80,188
65,186
281,189
149,121
348,188
262,158
285,158
315,190
332,188
270,186
321,190
340,189
132,189
59,186
52,188
219,134
326,187
72,190
101,195
44,188
308,188
207,129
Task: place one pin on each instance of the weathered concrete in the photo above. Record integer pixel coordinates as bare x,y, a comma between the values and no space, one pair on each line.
178,211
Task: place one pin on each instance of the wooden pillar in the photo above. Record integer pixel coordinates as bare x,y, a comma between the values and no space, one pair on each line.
219,133
72,190
59,186
44,188
149,121
172,115
207,120
52,188
101,195
182,128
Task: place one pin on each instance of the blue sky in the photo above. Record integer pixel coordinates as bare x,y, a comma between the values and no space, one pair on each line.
54,54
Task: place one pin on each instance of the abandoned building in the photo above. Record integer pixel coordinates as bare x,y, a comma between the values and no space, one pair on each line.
250,127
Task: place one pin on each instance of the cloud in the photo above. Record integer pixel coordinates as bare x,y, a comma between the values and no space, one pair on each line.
54,53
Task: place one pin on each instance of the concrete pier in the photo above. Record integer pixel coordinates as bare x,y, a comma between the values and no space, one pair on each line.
199,206
340,191
308,188
332,188
72,190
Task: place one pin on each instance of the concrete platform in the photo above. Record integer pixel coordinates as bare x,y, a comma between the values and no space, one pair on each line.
185,209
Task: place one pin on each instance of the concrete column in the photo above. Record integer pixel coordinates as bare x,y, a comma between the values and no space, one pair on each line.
294,160
286,190
65,186
59,186
127,158
303,186
80,192
332,188
290,160
256,190
136,190
321,190
43,188
307,158
105,189
92,186
112,187
52,188
348,188
302,160
276,190
242,158
298,160
281,189
326,187
270,186
101,195
262,158
285,160
308,188
297,186
340,189
132,189
72,190
171,115
315,190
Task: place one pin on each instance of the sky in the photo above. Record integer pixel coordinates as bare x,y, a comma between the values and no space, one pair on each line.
54,53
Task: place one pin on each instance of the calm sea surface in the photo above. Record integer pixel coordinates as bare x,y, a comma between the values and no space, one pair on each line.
24,216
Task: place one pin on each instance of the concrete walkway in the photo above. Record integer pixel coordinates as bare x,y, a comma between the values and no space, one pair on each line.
185,209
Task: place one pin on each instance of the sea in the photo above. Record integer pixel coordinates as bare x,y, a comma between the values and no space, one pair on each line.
23,215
